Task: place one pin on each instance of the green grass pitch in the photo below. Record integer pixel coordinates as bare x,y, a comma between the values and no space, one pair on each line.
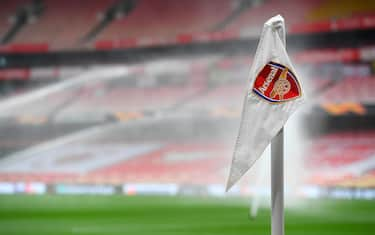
137,215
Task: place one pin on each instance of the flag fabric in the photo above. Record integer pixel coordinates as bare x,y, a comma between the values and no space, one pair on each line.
273,94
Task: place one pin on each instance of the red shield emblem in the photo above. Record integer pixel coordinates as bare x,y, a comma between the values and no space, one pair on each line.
276,83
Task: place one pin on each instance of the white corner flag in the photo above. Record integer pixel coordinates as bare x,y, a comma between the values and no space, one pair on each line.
273,94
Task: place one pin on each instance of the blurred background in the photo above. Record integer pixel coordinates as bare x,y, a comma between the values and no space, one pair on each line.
144,97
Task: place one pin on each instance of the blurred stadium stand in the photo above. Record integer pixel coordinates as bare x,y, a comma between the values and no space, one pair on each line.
343,159
172,115
110,24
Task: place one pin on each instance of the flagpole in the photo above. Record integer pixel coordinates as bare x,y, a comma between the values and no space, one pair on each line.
277,184
277,169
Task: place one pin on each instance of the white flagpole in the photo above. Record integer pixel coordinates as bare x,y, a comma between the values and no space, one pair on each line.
277,170
277,184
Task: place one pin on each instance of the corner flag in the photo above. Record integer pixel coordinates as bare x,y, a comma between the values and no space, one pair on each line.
273,94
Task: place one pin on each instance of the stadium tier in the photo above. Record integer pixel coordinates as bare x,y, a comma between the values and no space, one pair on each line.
343,159
294,12
53,25
186,163
169,18
63,23
360,90
116,164
206,92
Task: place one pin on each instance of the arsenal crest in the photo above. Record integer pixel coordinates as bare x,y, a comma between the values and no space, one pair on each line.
276,83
